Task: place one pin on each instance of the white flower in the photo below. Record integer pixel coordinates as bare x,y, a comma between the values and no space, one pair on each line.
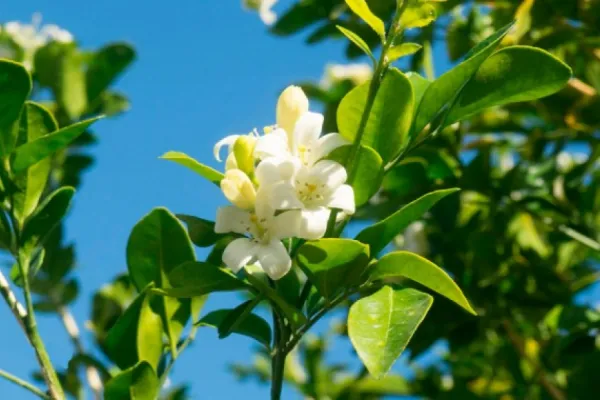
306,142
356,73
291,105
264,8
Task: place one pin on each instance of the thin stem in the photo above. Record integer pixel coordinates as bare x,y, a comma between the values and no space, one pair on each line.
54,386
278,357
91,372
304,294
184,345
17,308
24,384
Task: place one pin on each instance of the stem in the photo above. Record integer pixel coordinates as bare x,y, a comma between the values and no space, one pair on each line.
278,366
304,294
91,372
54,386
24,384
190,338
17,308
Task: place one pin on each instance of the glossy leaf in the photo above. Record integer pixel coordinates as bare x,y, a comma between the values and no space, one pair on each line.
357,40
360,8
403,50
251,326
201,231
33,152
211,174
137,334
511,75
369,172
156,246
15,85
390,117
446,88
419,85
35,122
136,383
105,66
418,15
422,271
381,325
193,279
378,235
333,264
47,216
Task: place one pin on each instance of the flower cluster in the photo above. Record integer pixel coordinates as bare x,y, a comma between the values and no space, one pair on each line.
281,186
264,9
30,37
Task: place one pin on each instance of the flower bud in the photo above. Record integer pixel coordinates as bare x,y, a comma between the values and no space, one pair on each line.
243,150
291,105
238,189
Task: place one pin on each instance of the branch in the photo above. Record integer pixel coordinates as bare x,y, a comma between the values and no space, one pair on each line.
24,384
17,308
554,392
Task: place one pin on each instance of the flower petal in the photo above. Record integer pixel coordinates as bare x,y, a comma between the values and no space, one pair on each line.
343,199
232,219
326,144
330,173
284,197
226,141
274,259
274,144
239,253
307,131
276,169
308,224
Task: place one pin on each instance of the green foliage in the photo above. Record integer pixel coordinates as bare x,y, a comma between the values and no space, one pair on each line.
357,40
15,85
381,325
136,383
201,169
232,321
360,8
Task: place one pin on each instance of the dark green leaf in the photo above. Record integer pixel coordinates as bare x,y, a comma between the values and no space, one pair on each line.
201,231
105,66
15,85
252,325
136,383
357,40
333,264
378,235
381,325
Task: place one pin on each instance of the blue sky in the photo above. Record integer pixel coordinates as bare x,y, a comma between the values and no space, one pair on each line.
205,69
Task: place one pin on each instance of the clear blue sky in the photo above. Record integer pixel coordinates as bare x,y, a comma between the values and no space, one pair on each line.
205,69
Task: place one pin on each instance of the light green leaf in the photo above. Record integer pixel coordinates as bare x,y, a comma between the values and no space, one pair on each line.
137,334
47,216
136,383
333,264
357,40
293,315
183,159
513,74
418,15
32,152
194,279
381,325
158,244
15,85
402,50
390,117
448,86
422,271
35,122
251,325
360,8
378,235
419,85
369,172
389,385
201,232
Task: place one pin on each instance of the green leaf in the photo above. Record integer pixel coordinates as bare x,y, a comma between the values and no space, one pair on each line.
513,74
448,86
390,117
378,235
136,383
333,264
36,122
419,85
381,325
292,314
403,50
183,159
201,231
422,271
33,152
360,8
47,216
357,40
251,326
418,15
369,172
137,334
193,279
105,66
156,246
233,319
15,85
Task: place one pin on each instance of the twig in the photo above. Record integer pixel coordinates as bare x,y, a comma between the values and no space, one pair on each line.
24,384
17,308
582,87
542,377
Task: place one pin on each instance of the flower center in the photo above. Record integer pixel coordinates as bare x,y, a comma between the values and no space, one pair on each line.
304,154
259,231
310,192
